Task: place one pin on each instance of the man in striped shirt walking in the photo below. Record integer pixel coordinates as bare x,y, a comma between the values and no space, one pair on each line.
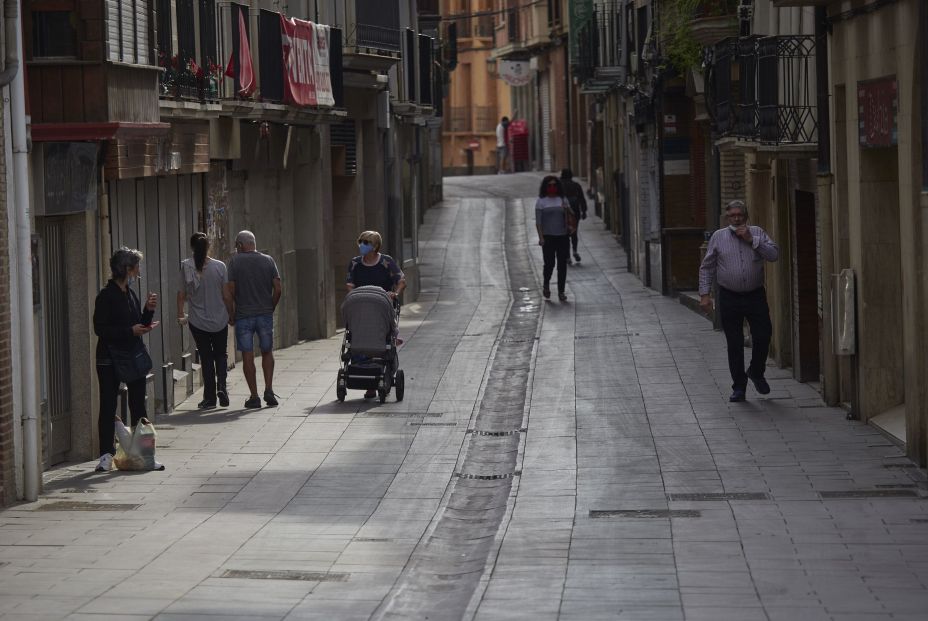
735,260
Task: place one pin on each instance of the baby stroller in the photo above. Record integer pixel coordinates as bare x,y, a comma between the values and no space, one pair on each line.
369,360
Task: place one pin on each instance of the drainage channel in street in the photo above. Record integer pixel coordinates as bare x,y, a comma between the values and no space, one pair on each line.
445,568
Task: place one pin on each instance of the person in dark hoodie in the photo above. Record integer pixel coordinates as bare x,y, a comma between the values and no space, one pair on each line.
574,194
119,321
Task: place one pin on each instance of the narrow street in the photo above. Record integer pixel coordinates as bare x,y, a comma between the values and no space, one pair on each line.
550,460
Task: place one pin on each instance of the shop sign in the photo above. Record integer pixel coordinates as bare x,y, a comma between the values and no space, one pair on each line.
514,72
878,107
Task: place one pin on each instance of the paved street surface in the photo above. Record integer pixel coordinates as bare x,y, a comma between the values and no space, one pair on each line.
551,460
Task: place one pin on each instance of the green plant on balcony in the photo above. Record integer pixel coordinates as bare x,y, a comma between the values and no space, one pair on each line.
681,48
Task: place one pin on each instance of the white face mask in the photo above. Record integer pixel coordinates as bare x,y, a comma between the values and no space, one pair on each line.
732,228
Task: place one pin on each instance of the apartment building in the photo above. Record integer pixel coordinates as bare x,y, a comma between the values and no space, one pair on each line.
155,119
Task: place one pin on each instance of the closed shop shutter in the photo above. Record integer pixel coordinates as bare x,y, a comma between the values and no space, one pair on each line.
545,88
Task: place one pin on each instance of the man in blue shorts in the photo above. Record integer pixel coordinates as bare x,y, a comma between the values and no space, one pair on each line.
252,294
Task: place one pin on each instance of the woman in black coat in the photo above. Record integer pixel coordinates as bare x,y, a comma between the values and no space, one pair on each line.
120,321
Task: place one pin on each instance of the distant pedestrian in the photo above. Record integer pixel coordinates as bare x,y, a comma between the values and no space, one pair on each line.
253,292
574,193
502,146
203,281
735,260
553,219
119,321
371,268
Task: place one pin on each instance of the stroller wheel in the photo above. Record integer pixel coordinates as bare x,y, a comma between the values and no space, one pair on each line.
341,392
382,395
400,383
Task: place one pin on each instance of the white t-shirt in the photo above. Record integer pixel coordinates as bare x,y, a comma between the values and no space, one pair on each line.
205,307
500,136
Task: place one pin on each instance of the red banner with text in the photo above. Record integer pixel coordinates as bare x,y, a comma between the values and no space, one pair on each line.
305,47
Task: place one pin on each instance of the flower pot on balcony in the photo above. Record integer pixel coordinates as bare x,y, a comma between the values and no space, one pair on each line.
707,31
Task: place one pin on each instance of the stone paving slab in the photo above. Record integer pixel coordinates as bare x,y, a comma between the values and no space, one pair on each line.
640,492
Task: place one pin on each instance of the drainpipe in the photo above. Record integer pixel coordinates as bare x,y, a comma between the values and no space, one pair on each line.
27,356
10,33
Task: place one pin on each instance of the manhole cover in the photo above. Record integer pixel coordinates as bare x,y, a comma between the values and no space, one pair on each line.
601,336
720,496
77,505
647,513
870,493
496,434
284,574
487,477
399,414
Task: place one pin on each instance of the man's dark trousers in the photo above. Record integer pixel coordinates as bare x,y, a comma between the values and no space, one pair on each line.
734,308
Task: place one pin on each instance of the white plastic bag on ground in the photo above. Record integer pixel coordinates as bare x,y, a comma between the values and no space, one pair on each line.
136,450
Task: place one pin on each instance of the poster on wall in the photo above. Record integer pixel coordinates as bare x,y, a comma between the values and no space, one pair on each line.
877,107
514,72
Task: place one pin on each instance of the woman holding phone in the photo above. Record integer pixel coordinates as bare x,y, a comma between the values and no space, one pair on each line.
119,321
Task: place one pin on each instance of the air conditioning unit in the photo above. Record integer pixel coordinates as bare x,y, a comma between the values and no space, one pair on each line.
633,62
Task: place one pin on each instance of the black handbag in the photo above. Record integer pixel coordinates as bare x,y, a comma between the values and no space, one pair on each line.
133,364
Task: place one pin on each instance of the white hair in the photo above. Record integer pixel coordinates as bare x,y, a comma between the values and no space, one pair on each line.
246,239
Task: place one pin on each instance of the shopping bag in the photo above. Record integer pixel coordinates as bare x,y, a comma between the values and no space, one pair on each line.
136,448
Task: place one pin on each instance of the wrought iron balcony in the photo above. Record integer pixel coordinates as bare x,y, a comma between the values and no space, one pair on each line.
762,89
377,26
598,61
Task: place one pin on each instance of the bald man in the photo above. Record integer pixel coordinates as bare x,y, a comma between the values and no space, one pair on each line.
252,294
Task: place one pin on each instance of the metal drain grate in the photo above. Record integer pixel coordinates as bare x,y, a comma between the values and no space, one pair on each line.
512,340
76,490
372,540
647,513
496,434
615,335
919,520
78,505
900,466
285,574
415,424
869,493
897,486
720,496
487,477
399,414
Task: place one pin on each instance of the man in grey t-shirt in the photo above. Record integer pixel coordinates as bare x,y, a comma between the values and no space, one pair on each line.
254,290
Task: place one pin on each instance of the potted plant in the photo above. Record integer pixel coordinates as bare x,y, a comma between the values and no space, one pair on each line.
687,26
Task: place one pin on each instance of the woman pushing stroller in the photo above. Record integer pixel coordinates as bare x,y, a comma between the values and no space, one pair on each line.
371,268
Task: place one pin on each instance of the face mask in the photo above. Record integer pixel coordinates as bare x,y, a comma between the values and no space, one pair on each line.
552,190
732,228
365,248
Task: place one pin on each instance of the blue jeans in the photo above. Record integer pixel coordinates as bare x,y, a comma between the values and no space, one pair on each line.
246,327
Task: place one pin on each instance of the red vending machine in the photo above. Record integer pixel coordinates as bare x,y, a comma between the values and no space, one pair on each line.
518,144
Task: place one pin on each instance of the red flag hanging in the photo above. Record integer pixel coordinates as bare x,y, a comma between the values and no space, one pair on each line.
246,73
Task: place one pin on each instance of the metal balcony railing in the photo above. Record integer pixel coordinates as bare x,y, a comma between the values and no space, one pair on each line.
774,98
599,41
459,119
377,25
485,119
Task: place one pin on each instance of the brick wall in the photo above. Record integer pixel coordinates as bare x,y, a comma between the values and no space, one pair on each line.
7,482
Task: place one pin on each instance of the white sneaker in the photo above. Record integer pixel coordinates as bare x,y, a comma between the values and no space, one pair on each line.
106,464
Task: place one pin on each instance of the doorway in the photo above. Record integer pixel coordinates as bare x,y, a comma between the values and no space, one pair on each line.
806,363
52,303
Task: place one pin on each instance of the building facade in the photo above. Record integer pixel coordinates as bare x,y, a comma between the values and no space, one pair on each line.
305,126
476,99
